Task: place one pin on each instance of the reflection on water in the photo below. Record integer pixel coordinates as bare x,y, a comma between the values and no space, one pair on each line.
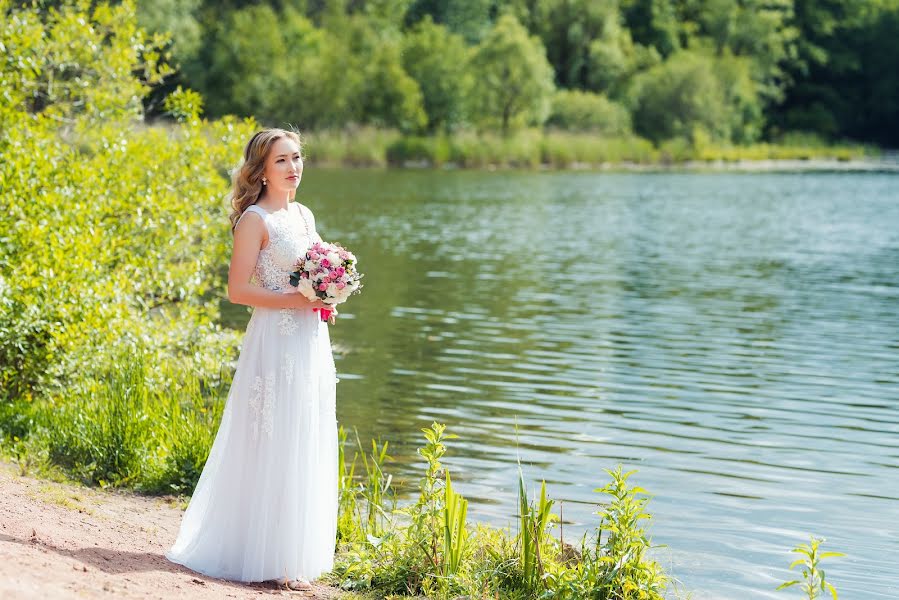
733,337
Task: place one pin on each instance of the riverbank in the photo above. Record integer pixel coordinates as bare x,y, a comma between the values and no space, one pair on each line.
64,541
559,150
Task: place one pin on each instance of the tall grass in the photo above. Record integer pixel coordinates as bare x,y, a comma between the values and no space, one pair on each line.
430,550
365,507
130,427
537,148
351,147
526,149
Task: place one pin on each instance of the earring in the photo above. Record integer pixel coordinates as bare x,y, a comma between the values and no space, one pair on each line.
264,181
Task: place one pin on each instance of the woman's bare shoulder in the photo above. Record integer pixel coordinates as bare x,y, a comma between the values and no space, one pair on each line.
249,229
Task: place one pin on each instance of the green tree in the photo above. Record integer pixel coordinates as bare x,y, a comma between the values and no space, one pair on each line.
386,14
468,18
614,58
387,95
390,97
178,19
759,30
296,73
248,73
654,23
515,81
676,96
438,61
846,81
567,28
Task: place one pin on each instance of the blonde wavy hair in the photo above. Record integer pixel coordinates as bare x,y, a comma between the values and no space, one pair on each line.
247,177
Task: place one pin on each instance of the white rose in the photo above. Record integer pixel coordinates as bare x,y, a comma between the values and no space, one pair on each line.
305,288
332,289
334,259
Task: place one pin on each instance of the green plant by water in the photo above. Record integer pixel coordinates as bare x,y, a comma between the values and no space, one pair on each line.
813,581
428,548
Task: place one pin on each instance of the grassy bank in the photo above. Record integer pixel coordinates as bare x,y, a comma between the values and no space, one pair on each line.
552,149
151,431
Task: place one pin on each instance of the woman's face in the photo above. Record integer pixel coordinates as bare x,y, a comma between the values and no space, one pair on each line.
283,166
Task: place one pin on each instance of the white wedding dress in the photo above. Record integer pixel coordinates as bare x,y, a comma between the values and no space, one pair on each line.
265,506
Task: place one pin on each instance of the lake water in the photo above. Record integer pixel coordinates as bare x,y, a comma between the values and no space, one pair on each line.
733,337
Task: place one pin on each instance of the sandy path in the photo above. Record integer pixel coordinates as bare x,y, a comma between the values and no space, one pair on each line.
62,541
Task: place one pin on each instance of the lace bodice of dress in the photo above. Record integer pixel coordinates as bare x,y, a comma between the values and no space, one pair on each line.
290,233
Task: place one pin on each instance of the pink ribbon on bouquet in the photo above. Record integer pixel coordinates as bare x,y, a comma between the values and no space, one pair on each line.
325,313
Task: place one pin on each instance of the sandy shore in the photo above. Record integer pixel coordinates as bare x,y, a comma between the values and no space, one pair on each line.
59,541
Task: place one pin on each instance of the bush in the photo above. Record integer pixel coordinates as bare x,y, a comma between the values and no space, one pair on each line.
676,96
116,231
433,151
691,93
574,110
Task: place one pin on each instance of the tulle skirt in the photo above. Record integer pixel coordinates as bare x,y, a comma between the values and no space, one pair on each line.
265,506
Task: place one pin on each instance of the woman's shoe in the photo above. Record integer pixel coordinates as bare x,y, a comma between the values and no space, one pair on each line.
300,585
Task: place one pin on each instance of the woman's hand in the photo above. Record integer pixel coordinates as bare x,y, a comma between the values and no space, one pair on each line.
299,301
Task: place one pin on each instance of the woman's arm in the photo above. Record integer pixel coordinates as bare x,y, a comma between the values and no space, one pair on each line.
249,236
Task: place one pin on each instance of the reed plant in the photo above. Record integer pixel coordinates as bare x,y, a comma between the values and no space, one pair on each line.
557,149
533,521
349,527
455,533
356,146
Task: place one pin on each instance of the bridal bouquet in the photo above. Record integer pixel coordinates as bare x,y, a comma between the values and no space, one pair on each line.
328,273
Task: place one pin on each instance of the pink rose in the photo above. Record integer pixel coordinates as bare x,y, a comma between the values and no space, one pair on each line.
322,287
313,255
340,285
340,271
325,263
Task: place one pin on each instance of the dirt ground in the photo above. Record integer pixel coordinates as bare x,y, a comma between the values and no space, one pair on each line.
59,541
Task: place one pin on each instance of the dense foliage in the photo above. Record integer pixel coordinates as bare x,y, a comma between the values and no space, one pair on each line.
760,67
113,234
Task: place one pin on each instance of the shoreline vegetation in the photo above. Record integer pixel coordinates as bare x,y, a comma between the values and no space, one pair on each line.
535,149
135,429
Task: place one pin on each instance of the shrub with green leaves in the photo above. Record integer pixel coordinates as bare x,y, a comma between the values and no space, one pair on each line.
114,233
574,110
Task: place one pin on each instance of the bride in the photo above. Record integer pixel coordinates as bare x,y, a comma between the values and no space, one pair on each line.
265,506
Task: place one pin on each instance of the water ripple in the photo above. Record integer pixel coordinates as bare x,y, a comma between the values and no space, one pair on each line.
733,337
